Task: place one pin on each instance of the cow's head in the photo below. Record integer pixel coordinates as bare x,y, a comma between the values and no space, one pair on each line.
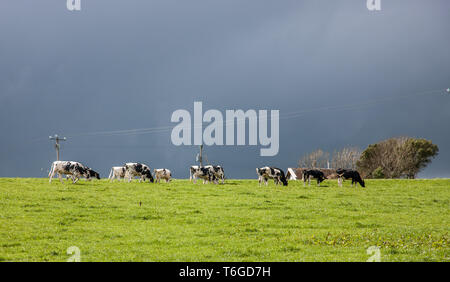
284,180
362,183
148,174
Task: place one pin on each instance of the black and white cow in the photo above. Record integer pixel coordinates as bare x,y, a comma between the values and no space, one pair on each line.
218,171
278,176
93,174
349,174
205,173
137,169
74,169
308,174
193,169
88,175
117,172
162,173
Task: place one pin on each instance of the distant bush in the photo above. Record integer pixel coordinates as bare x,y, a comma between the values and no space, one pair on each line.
397,157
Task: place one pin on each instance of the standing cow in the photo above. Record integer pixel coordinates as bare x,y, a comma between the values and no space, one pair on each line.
278,176
162,173
192,170
117,172
137,169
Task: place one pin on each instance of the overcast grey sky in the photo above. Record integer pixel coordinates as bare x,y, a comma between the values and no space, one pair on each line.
119,65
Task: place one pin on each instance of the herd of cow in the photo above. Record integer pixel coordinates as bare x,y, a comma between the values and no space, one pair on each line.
209,173
278,176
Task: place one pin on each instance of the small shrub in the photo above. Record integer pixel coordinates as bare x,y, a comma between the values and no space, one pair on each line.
378,173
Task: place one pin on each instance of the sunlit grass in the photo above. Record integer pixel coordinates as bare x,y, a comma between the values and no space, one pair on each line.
238,221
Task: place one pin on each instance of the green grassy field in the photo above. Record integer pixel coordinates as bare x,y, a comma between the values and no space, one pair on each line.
238,221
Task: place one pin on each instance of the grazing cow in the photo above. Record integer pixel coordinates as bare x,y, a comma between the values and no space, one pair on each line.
349,174
92,174
117,172
205,173
278,176
74,169
162,173
308,174
218,171
136,169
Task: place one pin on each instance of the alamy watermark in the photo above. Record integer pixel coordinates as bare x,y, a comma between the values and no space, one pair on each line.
73,5
75,253
213,134
374,253
373,5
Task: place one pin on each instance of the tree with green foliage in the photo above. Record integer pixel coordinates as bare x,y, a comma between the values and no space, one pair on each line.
397,157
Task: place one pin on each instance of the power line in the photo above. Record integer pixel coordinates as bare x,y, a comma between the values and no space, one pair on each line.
289,115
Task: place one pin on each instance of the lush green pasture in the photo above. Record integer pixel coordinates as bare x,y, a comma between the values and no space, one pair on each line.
238,221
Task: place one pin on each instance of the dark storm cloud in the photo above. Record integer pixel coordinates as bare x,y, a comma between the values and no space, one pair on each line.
129,64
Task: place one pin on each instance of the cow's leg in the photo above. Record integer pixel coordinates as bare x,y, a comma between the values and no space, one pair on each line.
266,181
51,175
309,180
60,177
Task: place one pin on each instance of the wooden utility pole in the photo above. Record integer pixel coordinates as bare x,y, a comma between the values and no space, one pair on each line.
200,158
57,139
